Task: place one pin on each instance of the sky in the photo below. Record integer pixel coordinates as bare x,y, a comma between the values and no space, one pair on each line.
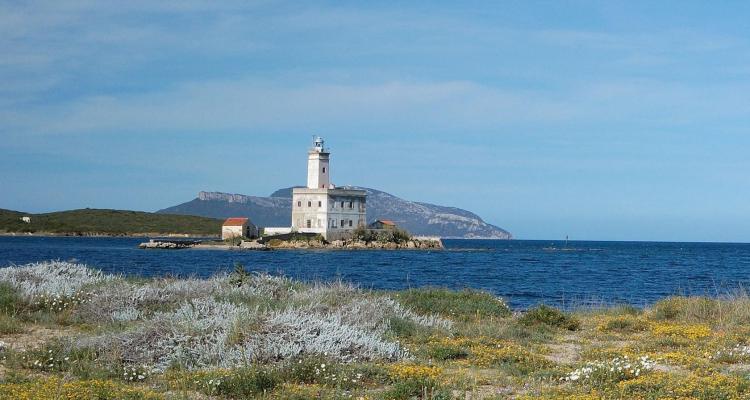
599,120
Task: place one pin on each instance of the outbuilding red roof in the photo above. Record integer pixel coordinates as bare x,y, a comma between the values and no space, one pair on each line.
235,221
387,222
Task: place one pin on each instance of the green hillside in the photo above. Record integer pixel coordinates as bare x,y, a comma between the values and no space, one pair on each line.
108,222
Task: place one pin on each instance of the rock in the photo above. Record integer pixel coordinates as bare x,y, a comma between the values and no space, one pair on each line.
167,244
253,245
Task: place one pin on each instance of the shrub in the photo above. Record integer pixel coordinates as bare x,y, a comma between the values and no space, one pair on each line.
623,324
411,381
323,371
447,352
298,332
239,276
392,236
363,234
416,389
10,325
240,383
10,299
51,278
688,309
549,316
604,373
464,304
402,327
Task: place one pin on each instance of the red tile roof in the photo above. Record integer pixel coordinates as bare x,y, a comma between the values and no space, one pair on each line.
235,222
387,222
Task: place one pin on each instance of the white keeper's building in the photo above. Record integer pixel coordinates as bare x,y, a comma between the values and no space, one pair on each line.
321,207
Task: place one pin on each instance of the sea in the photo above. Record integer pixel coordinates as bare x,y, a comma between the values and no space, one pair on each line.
524,272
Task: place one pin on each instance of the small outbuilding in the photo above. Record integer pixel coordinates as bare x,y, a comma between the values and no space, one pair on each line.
382,224
238,227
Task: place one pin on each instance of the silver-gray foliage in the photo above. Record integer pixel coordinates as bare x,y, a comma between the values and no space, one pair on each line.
223,321
51,278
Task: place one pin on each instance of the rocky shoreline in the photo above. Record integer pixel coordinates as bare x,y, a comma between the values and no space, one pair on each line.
412,244
275,244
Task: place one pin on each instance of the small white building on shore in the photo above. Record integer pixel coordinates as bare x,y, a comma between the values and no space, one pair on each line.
238,228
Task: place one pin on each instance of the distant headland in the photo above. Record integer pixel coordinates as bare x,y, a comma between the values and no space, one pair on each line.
100,222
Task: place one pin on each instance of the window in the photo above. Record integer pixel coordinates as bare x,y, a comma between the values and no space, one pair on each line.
333,223
320,204
350,204
324,170
343,223
342,204
299,204
309,223
309,203
350,223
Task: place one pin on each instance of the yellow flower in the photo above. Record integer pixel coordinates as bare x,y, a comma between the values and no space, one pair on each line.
413,371
55,388
697,331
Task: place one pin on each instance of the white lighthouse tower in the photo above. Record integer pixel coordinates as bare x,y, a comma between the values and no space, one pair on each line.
318,169
321,207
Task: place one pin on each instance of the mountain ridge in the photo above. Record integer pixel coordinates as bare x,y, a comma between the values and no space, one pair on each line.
419,218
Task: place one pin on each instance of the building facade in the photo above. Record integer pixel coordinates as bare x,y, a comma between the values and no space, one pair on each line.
238,228
321,207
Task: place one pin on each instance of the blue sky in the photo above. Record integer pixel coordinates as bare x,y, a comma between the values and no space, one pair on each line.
599,120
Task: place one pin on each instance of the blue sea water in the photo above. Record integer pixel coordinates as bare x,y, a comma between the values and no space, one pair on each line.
523,272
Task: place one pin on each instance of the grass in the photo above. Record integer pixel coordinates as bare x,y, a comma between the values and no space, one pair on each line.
464,304
543,315
108,222
246,335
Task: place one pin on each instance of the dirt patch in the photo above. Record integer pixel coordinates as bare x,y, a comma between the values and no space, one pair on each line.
567,351
671,369
35,336
482,392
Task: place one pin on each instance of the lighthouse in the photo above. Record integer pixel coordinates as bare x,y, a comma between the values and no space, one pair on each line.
318,165
323,208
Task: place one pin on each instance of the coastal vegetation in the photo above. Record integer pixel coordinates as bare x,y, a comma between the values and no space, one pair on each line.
108,222
72,332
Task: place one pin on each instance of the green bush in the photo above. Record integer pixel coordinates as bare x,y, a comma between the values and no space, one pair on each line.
689,309
10,325
239,276
416,389
403,328
325,372
239,383
443,353
393,236
463,304
363,234
248,382
624,324
10,299
549,316
668,309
